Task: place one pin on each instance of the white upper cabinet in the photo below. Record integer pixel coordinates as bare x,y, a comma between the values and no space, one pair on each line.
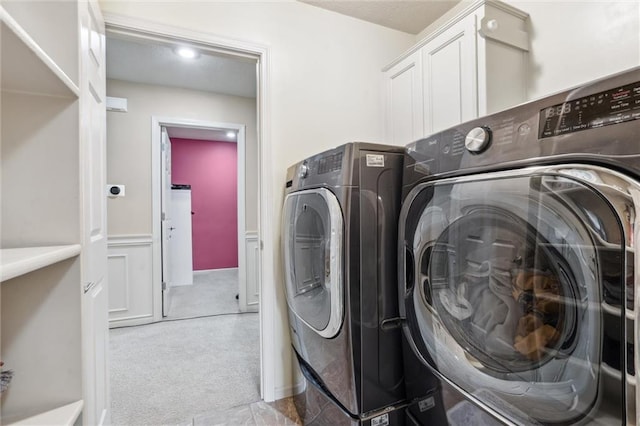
472,65
405,109
448,75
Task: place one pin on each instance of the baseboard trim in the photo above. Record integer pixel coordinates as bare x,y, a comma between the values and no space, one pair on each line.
287,391
131,321
205,271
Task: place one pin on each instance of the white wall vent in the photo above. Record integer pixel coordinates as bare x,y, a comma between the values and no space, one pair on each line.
116,104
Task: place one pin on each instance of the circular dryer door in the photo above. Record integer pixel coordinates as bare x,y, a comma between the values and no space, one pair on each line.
312,231
508,277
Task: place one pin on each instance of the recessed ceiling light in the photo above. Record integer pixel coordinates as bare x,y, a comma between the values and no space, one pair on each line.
187,52
231,134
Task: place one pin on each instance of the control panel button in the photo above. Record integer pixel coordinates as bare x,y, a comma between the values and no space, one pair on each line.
304,171
524,129
477,140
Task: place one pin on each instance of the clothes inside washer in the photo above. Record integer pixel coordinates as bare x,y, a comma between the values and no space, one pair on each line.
496,313
512,313
539,296
497,289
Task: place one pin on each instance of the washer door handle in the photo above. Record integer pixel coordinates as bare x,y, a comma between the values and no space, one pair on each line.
392,323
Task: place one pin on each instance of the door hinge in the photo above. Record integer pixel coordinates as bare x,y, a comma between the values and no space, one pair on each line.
164,286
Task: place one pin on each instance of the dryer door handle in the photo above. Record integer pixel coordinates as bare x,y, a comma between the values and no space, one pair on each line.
408,268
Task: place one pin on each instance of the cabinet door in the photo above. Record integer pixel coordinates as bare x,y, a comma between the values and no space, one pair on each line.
449,77
404,101
94,250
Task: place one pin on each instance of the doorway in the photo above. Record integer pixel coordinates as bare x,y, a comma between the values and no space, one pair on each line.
155,172
270,335
191,131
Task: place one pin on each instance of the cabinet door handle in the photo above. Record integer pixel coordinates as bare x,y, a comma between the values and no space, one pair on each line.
89,286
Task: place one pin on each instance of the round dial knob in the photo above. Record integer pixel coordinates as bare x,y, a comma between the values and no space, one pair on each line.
477,139
304,170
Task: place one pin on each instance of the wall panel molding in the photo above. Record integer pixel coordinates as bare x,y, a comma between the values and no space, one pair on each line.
130,240
130,279
252,295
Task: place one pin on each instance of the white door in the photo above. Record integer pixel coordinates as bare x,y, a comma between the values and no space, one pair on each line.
94,233
165,206
180,245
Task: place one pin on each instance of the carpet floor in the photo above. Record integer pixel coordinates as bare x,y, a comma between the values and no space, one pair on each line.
173,371
212,292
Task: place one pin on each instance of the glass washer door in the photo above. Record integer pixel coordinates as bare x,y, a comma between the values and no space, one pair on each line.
506,276
313,258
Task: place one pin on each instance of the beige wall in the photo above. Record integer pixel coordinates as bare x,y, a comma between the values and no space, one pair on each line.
573,42
129,146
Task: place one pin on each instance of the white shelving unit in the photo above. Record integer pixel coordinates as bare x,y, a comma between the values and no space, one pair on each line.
65,415
19,261
40,228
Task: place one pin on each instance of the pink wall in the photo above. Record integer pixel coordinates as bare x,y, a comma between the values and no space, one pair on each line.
210,167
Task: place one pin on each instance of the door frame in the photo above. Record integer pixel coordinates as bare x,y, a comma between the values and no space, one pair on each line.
268,303
157,123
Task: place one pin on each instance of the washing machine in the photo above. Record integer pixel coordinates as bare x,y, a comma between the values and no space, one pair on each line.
517,242
340,265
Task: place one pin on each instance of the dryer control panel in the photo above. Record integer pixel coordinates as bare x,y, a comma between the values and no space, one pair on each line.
598,121
605,108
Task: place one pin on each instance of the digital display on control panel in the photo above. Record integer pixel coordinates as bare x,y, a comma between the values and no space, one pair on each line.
598,110
330,163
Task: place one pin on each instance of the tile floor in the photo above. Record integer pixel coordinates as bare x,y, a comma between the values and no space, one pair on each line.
280,413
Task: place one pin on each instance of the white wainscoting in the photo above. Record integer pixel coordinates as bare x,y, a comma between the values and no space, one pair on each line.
253,266
130,280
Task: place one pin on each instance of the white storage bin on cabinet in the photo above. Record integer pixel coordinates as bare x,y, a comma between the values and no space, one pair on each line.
469,66
40,311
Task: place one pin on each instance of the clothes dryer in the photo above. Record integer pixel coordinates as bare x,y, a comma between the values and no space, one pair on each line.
518,239
339,239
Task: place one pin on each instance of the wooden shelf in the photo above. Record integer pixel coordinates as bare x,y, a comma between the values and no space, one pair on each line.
19,261
65,415
26,67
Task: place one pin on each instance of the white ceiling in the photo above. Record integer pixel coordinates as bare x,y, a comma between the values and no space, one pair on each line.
155,62
410,16
219,135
